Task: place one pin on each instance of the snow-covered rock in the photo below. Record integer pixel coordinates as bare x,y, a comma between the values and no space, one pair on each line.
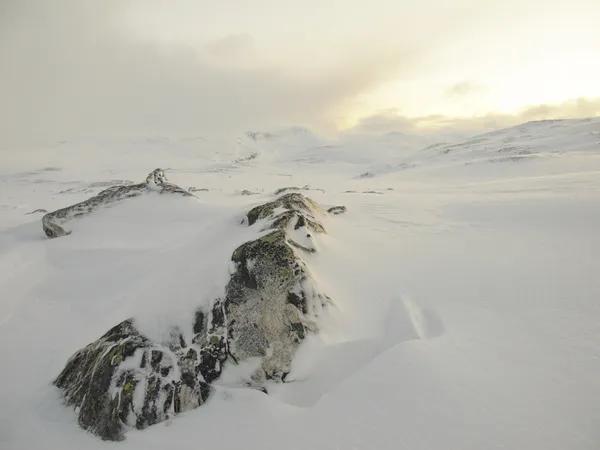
271,303
125,380
55,223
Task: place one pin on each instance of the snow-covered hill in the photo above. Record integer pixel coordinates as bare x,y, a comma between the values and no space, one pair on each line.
540,141
464,278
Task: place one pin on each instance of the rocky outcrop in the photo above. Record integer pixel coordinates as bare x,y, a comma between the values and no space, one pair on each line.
271,303
124,380
55,223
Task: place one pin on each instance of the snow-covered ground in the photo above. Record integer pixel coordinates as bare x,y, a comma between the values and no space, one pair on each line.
465,278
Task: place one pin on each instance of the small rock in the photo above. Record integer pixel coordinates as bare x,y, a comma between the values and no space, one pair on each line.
337,210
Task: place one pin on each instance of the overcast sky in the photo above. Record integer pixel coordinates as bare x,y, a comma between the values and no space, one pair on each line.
80,67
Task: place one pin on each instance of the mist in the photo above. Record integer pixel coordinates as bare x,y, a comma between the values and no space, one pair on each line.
90,68
70,68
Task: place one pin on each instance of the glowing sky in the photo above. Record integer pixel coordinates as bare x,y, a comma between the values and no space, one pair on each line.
511,53
329,64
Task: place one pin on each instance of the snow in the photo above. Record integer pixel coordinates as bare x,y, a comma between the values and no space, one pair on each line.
465,286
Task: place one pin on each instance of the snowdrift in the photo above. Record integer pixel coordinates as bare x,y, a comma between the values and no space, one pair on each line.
464,291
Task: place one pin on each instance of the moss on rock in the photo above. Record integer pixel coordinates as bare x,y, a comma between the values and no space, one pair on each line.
102,381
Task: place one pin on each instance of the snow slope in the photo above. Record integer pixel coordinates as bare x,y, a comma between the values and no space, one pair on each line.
465,282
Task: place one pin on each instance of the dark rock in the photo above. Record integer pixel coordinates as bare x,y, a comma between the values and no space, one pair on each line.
271,302
299,301
199,324
291,188
36,211
337,210
103,379
296,204
247,158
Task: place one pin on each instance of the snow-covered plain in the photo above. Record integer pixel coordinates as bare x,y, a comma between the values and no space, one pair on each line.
465,277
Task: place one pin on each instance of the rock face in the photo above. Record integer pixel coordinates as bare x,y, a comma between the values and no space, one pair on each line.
54,223
271,303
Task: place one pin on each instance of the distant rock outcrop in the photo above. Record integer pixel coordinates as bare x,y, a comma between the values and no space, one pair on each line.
36,211
54,223
291,188
295,188
271,303
336,210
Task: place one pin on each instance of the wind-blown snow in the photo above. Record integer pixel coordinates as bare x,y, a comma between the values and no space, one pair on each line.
464,278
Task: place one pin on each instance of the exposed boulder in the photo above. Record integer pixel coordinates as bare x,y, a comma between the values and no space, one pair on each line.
54,223
124,380
337,210
271,303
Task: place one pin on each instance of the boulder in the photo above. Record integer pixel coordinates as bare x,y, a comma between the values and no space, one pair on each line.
123,380
336,210
271,303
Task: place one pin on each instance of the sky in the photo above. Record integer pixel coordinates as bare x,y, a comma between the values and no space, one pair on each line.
95,67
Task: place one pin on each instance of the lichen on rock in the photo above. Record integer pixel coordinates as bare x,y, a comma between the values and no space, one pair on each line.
123,380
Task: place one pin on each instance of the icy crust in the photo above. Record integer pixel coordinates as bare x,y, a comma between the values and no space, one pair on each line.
54,223
125,380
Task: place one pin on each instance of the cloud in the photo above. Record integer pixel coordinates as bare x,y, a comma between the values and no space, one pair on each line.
386,121
463,88
233,49
578,107
392,120
69,69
